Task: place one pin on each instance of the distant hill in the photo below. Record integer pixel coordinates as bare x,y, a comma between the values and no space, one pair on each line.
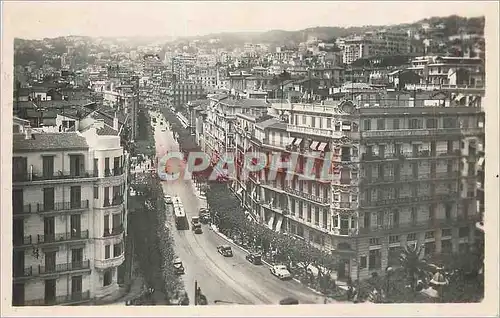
453,24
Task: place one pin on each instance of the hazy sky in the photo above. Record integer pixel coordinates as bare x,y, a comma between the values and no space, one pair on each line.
36,19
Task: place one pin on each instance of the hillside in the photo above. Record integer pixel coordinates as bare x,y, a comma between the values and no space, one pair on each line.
452,25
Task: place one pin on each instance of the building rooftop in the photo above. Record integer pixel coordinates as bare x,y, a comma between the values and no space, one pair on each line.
49,142
271,123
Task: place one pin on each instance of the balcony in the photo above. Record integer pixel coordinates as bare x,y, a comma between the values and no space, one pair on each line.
110,262
114,232
19,210
60,175
60,300
345,205
22,241
64,267
411,178
118,171
62,237
23,272
407,200
107,173
115,202
61,206
401,133
418,225
328,133
308,196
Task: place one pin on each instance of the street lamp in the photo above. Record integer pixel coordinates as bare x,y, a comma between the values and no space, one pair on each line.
388,271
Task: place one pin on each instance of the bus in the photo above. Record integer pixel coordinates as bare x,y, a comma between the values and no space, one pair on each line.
181,221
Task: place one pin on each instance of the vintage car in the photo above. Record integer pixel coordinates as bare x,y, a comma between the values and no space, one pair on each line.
225,250
178,266
280,271
254,258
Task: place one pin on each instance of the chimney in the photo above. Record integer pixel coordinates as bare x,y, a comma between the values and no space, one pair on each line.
115,122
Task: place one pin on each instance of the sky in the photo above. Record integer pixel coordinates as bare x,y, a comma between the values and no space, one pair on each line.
37,19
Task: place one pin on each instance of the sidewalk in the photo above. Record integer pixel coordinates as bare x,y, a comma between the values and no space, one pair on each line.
121,296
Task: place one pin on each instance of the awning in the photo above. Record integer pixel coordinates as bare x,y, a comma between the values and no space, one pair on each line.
293,141
480,161
297,141
459,97
279,223
239,191
314,145
322,146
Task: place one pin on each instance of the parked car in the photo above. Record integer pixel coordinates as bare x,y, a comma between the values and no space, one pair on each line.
289,301
197,228
225,250
280,271
168,199
195,220
204,215
178,266
254,258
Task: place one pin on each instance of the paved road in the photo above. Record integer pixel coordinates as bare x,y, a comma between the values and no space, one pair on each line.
234,279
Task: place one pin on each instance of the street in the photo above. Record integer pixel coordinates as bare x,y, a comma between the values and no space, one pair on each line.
223,280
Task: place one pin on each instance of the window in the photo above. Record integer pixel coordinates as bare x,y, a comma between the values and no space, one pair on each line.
313,121
301,210
393,239
362,262
411,237
374,241
450,122
415,123
375,258
380,124
335,221
367,124
336,197
463,232
117,250
325,219
96,192
446,232
107,252
395,123
429,235
108,277
431,123
328,123
303,120
309,213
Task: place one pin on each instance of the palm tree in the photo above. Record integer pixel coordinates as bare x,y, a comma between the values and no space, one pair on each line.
412,264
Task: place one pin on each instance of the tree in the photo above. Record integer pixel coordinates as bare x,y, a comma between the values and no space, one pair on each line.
412,264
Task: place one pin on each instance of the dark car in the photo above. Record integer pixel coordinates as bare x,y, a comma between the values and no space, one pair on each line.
225,250
197,228
289,301
254,258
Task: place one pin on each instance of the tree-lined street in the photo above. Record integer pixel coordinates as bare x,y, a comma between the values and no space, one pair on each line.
221,279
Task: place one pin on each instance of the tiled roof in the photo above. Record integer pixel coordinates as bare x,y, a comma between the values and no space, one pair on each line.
107,131
31,113
49,141
64,103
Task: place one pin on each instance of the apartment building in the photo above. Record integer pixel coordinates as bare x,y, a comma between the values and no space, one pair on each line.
220,117
69,213
182,93
403,171
449,71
